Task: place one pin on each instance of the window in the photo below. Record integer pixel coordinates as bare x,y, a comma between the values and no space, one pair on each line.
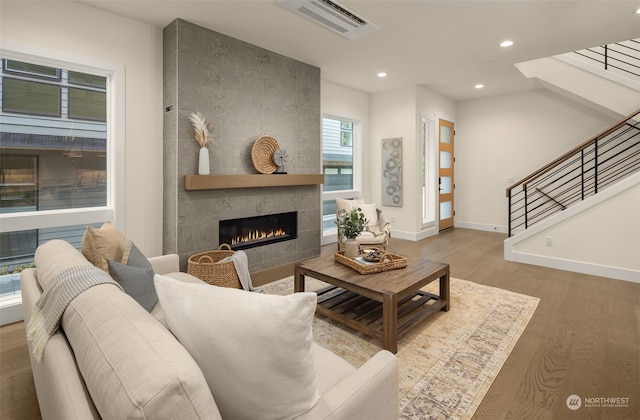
346,133
55,176
427,165
340,164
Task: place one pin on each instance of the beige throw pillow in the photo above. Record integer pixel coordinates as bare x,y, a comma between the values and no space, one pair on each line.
348,205
254,349
370,213
103,244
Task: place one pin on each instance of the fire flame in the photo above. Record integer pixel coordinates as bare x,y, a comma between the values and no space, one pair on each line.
257,235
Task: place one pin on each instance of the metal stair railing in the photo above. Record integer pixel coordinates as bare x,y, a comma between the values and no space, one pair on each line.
578,174
619,57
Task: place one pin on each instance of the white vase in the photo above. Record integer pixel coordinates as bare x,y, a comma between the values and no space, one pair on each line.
203,161
351,248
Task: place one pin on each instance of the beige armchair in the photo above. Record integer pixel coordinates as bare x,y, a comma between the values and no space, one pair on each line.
378,229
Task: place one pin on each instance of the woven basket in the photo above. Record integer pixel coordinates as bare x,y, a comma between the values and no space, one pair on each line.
262,154
206,267
388,262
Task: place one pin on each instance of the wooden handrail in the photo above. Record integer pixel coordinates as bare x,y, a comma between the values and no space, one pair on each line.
571,152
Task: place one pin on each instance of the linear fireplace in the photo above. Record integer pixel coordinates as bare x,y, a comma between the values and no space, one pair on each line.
249,232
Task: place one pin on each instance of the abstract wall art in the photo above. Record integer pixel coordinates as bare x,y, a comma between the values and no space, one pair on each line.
392,172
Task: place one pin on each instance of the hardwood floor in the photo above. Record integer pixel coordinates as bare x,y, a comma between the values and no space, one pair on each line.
584,338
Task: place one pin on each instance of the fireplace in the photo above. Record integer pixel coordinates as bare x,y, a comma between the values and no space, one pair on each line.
249,232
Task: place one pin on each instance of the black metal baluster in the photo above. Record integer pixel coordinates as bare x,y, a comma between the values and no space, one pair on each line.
595,166
526,211
582,174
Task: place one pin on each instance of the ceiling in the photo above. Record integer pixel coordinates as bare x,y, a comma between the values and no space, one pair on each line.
446,46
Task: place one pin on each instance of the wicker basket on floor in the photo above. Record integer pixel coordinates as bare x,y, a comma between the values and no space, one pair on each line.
207,267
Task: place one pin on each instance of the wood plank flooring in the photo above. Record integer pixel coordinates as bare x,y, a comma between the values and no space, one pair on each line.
584,338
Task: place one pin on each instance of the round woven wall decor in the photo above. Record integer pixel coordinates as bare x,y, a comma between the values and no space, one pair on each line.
262,154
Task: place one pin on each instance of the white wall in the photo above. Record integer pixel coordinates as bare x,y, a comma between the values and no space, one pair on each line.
393,114
511,136
73,32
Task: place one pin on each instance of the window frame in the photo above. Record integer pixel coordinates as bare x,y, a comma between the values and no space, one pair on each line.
114,209
331,235
427,157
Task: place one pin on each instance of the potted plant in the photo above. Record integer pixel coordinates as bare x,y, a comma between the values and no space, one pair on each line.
351,224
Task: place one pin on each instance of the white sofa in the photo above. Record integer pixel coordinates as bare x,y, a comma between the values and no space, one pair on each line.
113,359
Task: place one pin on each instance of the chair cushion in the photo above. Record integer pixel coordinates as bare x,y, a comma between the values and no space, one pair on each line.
253,348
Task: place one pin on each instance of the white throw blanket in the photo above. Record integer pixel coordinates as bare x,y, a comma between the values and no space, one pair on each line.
241,264
48,311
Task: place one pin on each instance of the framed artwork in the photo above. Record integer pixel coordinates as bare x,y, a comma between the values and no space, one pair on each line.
392,172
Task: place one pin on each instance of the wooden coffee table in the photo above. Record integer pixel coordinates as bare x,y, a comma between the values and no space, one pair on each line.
385,305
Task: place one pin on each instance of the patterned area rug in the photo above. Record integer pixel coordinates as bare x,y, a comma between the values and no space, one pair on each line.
448,364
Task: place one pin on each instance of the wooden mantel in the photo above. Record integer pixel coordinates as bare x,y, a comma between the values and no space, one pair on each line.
217,182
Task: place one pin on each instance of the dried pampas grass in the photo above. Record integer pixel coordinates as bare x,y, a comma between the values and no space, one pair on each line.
203,137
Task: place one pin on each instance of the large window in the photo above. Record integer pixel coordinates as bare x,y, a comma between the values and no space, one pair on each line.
55,164
340,165
427,174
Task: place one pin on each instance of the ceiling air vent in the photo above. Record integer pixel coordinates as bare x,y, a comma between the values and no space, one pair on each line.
331,15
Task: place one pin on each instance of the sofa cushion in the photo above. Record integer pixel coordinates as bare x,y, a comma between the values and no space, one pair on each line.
133,367
331,369
103,244
254,349
136,278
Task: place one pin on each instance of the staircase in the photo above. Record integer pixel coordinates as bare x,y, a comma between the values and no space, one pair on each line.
575,176
580,212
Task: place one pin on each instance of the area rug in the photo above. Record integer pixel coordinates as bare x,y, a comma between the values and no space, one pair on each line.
448,363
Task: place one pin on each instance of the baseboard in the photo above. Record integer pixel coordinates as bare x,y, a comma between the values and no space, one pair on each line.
412,236
576,266
483,227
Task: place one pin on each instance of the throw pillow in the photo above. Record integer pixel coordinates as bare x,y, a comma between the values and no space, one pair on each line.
103,244
370,213
348,205
136,278
254,349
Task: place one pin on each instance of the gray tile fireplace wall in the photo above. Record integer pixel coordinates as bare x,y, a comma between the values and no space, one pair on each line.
244,92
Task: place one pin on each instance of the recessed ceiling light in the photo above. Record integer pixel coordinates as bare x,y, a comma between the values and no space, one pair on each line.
479,86
506,43
382,74
638,12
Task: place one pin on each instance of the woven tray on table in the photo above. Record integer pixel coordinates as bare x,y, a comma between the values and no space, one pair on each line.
206,267
388,262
